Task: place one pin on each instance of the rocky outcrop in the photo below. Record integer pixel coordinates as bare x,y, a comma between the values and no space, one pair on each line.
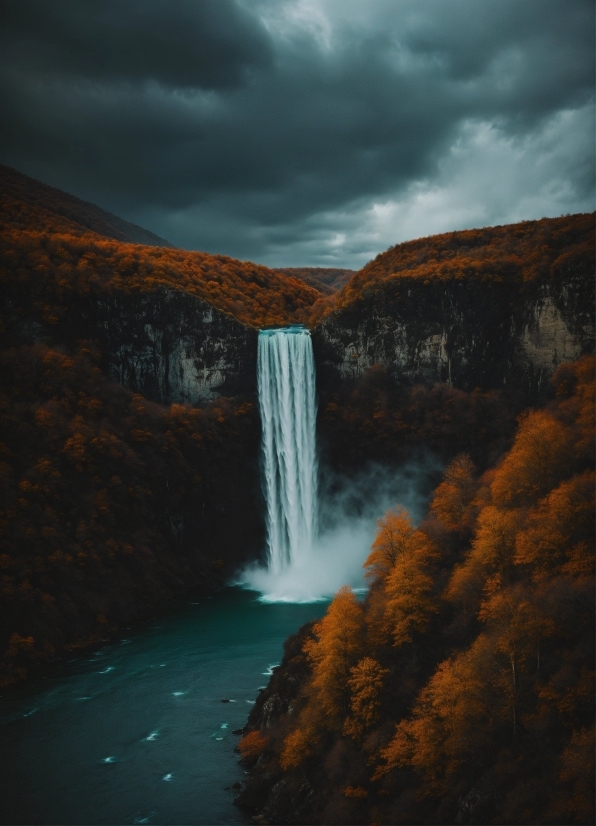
267,794
469,333
172,347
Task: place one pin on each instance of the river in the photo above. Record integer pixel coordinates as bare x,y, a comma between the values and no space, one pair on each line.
137,731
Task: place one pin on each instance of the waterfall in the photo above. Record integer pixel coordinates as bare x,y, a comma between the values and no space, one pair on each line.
286,380
314,545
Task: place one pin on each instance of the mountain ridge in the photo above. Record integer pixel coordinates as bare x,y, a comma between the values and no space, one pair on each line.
29,192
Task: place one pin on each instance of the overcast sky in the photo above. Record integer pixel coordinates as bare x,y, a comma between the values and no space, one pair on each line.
303,132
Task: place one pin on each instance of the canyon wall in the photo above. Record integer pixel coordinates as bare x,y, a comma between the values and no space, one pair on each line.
172,347
468,333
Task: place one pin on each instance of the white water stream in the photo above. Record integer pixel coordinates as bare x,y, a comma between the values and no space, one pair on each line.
286,377
311,554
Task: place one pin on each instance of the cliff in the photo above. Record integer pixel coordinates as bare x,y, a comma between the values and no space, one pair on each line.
488,333
172,347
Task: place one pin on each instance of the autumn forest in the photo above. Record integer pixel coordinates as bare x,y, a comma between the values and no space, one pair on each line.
460,687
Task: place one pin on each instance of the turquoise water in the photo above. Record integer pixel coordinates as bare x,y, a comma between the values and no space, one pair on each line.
137,732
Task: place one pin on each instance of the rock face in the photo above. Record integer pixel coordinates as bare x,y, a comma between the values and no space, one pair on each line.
172,347
267,794
468,333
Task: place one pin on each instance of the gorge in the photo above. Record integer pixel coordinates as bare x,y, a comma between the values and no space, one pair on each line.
147,392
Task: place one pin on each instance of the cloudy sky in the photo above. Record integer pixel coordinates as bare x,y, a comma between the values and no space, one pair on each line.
303,132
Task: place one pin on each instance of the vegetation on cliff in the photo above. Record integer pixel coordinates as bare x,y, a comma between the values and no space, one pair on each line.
515,254
376,419
110,504
462,688
50,255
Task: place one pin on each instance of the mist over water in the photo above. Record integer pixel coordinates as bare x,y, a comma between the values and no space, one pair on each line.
319,531
349,508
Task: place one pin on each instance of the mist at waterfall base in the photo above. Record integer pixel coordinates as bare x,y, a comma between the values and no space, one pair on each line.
349,508
319,527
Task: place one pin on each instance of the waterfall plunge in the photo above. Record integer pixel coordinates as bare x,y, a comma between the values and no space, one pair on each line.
304,565
286,376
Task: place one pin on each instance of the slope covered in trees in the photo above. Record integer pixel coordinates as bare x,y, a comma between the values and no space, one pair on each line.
26,202
462,688
514,254
55,248
110,504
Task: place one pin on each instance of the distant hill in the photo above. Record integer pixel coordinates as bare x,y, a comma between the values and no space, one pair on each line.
514,253
63,247
25,202
326,279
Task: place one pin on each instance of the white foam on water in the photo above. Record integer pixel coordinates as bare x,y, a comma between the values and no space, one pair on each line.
109,760
168,777
107,670
153,736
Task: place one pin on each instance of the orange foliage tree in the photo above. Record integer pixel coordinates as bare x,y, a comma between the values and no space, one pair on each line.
366,684
335,647
452,498
494,720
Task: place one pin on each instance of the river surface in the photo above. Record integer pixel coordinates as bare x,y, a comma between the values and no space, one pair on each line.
137,732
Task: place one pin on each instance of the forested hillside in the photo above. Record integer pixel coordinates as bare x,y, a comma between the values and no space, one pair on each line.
27,203
54,248
515,254
461,690
111,504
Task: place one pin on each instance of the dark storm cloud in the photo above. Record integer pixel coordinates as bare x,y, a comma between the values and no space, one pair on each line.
178,43
270,130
